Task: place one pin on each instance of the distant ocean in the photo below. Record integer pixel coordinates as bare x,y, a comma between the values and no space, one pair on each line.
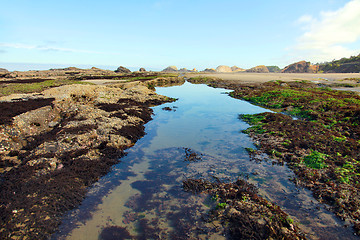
43,66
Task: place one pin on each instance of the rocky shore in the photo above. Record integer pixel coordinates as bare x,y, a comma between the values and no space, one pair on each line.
59,136
57,142
315,131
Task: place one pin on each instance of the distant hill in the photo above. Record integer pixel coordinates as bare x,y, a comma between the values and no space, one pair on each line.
300,67
258,69
344,65
273,69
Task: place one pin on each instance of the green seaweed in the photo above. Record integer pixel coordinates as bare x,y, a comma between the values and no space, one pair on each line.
315,160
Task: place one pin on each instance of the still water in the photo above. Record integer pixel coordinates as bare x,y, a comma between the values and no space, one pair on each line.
143,194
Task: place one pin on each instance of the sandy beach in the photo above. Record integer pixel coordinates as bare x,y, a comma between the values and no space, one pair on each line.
248,77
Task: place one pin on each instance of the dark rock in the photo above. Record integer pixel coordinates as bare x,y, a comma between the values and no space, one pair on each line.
3,70
142,70
122,69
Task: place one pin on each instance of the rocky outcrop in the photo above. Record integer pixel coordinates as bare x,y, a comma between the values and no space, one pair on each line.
237,69
3,72
209,70
122,69
62,141
170,69
223,69
59,73
142,70
184,70
344,68
343,65
258,69
274,69
300,67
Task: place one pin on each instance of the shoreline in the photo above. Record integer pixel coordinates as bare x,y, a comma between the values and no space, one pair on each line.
247,77
64,138
319,145
56,143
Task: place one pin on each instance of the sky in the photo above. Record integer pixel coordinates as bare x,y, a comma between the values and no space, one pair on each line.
154,34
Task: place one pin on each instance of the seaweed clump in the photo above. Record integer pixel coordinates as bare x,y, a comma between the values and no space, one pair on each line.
114,232
321,145
243,212
46,173
10,110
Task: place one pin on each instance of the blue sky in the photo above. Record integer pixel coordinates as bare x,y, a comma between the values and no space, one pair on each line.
191,34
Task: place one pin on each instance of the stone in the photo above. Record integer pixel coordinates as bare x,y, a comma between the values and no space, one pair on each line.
122,69
142,70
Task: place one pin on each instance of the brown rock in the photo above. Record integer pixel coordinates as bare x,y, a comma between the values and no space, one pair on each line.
184,70
170,69
259,69
3,72
223,68
209,70
300,67
122,69
237,69
142,70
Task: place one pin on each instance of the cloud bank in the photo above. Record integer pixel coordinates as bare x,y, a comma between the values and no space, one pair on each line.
331,35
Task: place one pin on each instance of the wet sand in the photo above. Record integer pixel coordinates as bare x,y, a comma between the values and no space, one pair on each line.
247,77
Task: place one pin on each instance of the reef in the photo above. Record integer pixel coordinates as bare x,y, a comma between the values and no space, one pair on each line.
56,143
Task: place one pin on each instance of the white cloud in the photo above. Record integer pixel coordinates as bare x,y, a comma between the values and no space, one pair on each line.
43,48
326,37
305,19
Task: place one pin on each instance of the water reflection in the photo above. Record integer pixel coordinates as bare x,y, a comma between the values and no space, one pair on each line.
142,197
